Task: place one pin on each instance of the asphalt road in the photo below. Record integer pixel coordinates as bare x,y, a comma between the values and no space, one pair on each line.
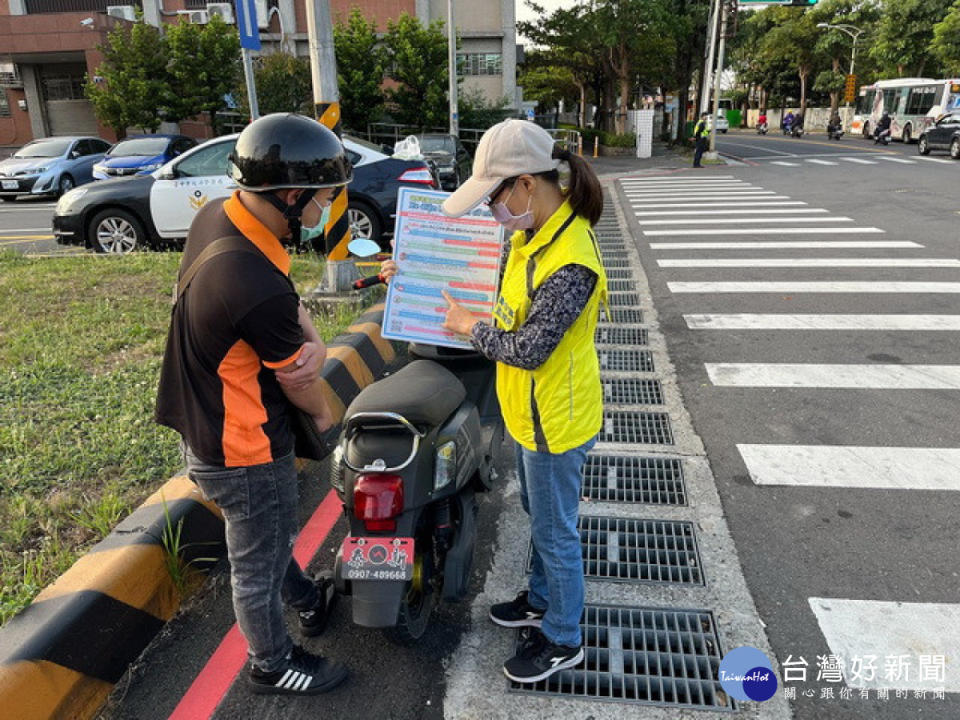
25,226
883,558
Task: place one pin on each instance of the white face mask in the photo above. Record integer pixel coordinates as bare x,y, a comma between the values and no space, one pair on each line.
308,233
501,213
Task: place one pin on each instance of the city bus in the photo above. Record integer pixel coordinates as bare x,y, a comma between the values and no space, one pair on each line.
913,104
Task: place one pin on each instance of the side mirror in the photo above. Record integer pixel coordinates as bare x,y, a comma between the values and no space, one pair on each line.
167,174
74,154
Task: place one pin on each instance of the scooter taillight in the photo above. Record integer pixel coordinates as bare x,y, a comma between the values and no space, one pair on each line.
377,500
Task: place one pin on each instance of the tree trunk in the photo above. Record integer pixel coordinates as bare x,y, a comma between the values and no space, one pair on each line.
583,104
621,121
803,91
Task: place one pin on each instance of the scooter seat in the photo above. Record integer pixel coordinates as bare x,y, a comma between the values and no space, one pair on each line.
423,392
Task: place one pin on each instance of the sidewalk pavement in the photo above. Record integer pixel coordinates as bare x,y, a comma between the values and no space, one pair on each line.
664,157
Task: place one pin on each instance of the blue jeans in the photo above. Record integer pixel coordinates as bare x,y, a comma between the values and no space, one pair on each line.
259,505
550,491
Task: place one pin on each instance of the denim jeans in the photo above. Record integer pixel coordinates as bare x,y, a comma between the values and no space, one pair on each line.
259,505
550,492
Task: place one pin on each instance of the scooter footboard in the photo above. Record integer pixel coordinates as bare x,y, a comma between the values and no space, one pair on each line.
376,603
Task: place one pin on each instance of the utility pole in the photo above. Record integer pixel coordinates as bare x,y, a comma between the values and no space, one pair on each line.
712,154
326,98
707,80
452,62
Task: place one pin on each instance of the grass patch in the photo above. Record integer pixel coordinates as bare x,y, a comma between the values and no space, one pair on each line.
81,340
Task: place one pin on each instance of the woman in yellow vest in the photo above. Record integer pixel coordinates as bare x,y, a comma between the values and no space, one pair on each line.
548,375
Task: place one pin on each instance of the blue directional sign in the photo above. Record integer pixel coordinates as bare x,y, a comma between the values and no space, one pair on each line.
247,24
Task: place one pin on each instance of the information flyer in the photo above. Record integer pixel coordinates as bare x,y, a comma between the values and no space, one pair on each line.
435,253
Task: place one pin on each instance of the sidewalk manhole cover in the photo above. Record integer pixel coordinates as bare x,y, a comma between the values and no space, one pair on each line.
626,360
621,285
622,315
632,550
615,335
624,298
617,478
632,427
631,391
641,655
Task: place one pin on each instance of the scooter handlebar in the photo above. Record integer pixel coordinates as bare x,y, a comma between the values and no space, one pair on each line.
369,281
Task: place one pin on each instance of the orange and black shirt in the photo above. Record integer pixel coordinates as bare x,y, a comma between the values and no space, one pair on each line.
233,327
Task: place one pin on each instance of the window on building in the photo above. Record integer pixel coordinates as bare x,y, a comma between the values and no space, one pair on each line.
480,64
4,103
63,82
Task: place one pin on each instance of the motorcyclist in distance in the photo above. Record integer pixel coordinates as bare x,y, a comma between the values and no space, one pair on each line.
882,133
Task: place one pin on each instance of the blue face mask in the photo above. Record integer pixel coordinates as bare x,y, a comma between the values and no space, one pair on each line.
307,234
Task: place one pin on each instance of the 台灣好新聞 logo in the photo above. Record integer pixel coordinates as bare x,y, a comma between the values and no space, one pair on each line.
746,674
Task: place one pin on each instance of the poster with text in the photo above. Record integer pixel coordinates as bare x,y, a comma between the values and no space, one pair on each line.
435,253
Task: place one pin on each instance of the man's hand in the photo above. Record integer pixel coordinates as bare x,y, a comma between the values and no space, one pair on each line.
308,367
459,319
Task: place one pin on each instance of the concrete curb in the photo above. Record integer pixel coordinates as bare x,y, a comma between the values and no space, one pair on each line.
61,656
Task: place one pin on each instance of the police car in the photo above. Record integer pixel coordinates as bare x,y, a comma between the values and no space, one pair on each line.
155,210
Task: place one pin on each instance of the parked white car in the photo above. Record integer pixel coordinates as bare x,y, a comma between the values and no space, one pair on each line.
722,123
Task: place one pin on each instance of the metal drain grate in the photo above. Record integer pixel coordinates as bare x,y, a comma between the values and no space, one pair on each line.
616,262
610,335
631,391
626,360
632,427
613,254
612,245
619,273
641,655
632,550
622,315
623,298
621,285
653,481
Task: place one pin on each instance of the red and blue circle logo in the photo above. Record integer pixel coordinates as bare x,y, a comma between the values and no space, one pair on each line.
746,674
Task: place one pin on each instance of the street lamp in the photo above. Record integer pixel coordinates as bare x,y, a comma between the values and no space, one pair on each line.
853,32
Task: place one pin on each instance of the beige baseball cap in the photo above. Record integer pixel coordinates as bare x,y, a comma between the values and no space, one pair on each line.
508,149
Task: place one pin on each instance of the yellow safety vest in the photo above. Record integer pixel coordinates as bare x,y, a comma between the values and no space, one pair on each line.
558,406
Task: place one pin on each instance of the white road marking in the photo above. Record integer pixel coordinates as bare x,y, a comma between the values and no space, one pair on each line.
810,262
674,184
25,230
858,160
698,193
903,161
861,377
821,162
936,160
881,468
753,201
851,286
756,211
784,245
728,221
758,203
784,163
788,321
767,231
676,178
875,630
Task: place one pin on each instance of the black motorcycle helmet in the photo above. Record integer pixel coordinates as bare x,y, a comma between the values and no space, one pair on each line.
289,151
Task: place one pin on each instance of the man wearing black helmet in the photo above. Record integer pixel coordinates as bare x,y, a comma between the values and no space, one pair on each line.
240,347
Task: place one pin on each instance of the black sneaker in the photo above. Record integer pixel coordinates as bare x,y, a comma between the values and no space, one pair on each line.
538,659
516,613
313,620
303,674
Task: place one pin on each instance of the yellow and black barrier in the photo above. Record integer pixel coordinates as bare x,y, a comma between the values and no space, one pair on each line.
337,231
61,656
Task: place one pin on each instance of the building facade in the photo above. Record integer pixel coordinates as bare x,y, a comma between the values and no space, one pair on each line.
49,47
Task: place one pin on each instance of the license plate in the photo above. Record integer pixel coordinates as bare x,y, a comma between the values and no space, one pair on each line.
11,185
377,558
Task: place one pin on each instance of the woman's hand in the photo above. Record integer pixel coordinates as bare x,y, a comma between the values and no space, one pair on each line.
388,268
459,319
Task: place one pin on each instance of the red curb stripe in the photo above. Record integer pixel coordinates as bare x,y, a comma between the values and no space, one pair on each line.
213,682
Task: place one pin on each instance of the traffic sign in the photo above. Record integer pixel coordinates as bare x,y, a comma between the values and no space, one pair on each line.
247,24
850,88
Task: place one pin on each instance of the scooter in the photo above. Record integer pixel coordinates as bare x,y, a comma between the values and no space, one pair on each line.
834,132
881,136
415,449
796,130
761,128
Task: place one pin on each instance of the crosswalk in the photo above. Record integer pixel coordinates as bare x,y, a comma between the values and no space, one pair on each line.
835,160
728,296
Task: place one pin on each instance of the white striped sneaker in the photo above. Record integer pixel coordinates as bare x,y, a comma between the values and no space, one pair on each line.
303,674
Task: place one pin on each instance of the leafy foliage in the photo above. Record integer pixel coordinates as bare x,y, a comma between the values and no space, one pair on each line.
417,63
946,41
283,83
361,64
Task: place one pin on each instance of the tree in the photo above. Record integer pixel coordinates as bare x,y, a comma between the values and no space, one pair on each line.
904,36
204,67
131,82
792,40
417,62
478,112
946,41
361,62
284,84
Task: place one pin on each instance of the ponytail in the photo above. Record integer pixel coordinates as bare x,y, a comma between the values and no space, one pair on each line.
585,194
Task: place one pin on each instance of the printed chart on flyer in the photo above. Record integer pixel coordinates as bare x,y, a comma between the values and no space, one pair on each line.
435,253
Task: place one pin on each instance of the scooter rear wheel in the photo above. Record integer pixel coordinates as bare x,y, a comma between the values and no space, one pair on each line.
416,608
